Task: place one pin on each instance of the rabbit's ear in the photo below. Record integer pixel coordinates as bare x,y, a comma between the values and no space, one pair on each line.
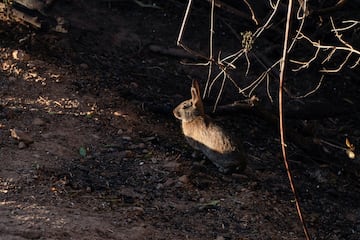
195,92
196,97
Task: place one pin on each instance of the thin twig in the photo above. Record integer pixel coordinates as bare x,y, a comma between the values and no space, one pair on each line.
357,63
186,17
144,5
281,118
307,63
312,91
353,24
268,21
252,12
211,37
220,92
301,18
268,88
340,66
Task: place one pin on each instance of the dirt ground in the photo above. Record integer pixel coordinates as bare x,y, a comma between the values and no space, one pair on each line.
108,160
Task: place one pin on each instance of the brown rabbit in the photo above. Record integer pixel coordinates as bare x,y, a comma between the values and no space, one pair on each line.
203,134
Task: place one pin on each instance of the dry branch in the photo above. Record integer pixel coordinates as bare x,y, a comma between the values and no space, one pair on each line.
281,119
232,10
332,49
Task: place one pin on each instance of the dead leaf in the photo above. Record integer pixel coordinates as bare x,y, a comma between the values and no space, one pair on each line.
21,136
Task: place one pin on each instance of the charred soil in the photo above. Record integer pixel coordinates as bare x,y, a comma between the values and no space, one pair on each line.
107,159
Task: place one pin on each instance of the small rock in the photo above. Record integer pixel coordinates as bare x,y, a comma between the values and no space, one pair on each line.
38,122
149,139
12,79
20,55
129,154
141,145
134,85
351,217
21,145
184,179
126,138
6,65
84,66
138,211
172,166
21,136
169,182
159,186
195,155
132,146
239,176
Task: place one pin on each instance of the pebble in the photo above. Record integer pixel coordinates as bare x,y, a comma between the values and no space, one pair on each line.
134,85
239,176
12,79
184,179
195,155
6,65
38,122
159,186
351,217
126,154
138,210
21,136
84,66
169,182
148,139
20,55
172,166
21,145
126,138
137,146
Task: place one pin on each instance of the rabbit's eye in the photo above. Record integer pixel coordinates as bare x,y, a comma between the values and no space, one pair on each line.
187,105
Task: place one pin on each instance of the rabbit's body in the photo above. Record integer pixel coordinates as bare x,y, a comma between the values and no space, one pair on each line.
203,134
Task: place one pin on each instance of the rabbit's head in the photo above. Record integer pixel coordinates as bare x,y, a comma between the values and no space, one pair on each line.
190,109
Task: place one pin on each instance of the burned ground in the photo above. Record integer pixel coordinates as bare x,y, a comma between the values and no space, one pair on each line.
108,160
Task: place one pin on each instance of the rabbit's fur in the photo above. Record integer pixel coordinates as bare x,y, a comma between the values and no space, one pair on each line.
203,134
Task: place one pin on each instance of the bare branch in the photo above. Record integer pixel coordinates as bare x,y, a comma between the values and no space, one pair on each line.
281,119
186,17
301,18
340,66
357,63
353,24
268,21
220,92
305,64
333,49
339,36
327,59
312,91
319,45
252,12
268,88
211,37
